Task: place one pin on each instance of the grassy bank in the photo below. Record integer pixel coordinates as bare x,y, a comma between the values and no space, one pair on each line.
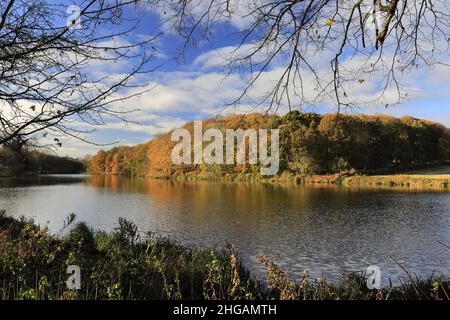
431,179
126,265
421,182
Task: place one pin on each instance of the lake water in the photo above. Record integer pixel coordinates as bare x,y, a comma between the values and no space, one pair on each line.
328,230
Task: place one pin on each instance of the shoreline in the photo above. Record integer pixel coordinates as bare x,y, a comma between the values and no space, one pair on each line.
440,182
422,182
402,180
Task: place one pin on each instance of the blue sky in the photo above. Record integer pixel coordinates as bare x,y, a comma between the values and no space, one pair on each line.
195,87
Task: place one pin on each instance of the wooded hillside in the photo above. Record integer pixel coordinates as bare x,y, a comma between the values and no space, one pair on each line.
309,144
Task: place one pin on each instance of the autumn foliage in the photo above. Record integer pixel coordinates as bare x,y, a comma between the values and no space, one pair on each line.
310,143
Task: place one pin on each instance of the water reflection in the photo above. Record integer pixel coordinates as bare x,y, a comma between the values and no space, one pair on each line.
327,229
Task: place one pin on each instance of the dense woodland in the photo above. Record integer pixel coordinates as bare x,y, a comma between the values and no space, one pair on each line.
16,162
309,144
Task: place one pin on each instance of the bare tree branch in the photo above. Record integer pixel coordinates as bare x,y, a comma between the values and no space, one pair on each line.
54,74
378,39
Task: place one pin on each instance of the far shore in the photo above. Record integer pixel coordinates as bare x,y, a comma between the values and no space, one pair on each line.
427,179
433,178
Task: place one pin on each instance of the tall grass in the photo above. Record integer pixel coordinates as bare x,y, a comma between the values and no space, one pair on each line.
125,264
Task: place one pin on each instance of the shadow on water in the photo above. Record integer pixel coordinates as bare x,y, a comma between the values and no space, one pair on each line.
42,180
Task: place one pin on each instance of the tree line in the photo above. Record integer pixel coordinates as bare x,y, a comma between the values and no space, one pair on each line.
310,144
18,159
